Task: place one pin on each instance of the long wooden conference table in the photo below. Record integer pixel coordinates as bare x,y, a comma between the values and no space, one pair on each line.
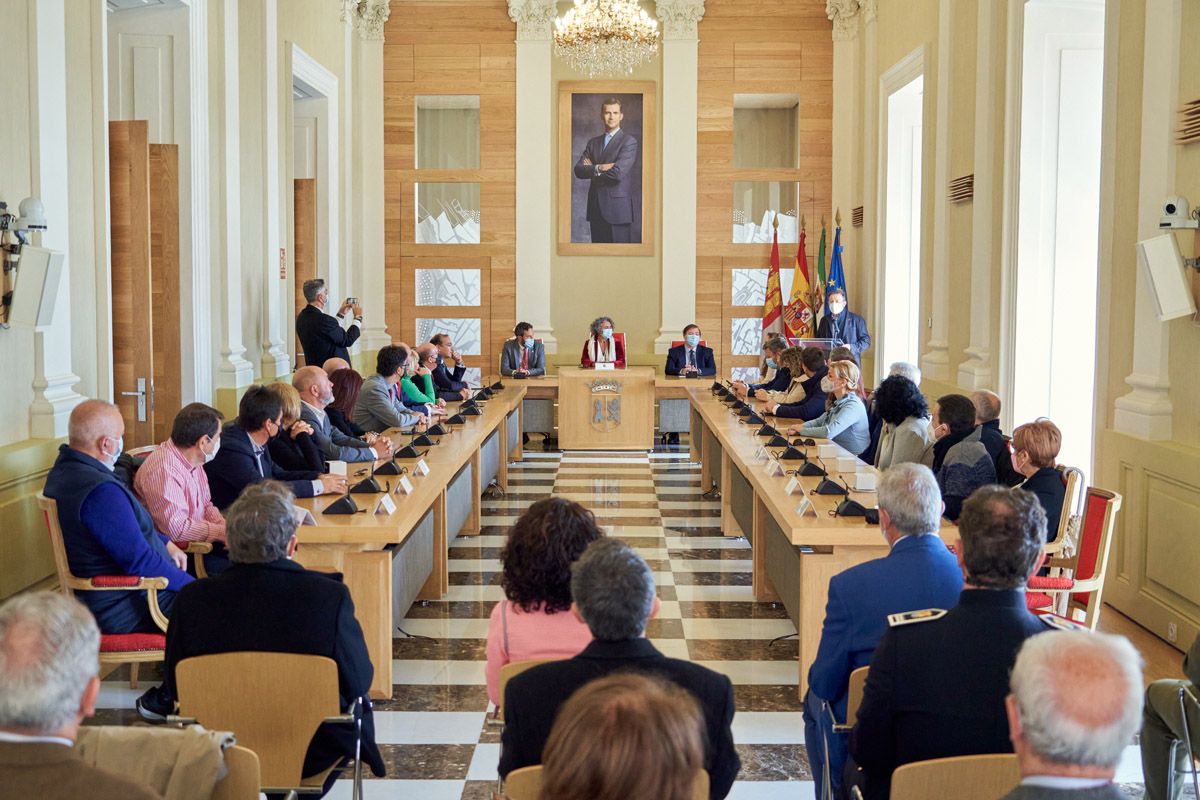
794,554
389,559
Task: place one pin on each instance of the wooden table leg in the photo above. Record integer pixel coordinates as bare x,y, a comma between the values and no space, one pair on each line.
764,590
729,523
438,582
474,521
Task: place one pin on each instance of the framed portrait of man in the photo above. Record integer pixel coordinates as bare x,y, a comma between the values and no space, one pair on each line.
606,167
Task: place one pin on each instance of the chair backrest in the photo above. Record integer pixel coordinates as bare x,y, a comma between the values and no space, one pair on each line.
139,452
62,568
678,342
1072,477
526,784
1095,543
273,703
242,776
984,777
509,671
854,694
620,337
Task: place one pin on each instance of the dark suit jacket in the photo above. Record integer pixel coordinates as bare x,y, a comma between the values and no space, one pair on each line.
936,688
854,333
322,336
779,383
677,360
448,383
510,358
813,404
235,467
1048,485
918,573
993,439
1108,792
280,607
339,420
297,455
532,700
609,199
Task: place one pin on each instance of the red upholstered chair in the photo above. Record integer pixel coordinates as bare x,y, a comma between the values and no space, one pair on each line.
1072,477
678,342
115,649
1085,584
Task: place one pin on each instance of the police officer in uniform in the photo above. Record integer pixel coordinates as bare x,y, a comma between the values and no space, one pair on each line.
938,679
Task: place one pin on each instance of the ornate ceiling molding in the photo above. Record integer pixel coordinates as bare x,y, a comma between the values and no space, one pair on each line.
367,17
533,18
679,18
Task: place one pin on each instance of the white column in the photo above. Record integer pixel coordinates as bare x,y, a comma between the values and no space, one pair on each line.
200,376
935,361
53,381
1146,410
232,369
680,48
845,18
535,223
976,371
368,183
870,159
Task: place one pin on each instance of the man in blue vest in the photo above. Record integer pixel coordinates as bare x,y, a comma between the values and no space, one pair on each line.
919,572
106,530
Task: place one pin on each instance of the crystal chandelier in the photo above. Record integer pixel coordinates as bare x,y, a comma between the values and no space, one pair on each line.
606,37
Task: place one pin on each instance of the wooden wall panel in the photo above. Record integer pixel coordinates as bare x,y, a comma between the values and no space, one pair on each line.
757,46
164,283
304,212
451,47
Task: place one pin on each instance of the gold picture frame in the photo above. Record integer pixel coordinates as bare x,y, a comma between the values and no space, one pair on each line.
577,100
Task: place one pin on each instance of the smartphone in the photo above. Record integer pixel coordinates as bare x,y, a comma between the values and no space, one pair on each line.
352,301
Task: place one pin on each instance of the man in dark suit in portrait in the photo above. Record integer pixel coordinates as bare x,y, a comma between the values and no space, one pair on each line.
607,161
268,602
322,336
613,592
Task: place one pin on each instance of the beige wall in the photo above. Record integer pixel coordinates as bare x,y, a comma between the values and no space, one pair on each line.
1156,555
627,288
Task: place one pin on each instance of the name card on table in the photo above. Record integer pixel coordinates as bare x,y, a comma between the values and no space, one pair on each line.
337,467
805,507
404,485
761,454
775,469
422,468
793,486
846,463
829,450
865,481
606,365
302,516
386,505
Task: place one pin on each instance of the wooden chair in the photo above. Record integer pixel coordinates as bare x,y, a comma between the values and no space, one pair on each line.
242,778
1087,567
115,648
854,696
1072,477
526,784
509,671
273,703
983,777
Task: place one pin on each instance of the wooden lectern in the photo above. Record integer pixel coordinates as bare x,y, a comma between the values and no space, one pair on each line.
606,409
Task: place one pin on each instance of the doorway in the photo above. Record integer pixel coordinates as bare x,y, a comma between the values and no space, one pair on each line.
900,301
1054,298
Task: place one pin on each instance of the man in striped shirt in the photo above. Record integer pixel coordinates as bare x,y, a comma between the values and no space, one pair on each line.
174,487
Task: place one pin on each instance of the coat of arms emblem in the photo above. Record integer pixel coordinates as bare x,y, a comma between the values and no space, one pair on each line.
606,404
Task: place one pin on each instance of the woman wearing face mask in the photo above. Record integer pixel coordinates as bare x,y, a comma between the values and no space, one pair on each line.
293,447
602,347
845,423
417,384
845,326
523,354
1035,447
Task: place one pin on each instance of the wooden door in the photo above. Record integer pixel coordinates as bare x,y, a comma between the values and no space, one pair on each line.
167,396
132,294
304,212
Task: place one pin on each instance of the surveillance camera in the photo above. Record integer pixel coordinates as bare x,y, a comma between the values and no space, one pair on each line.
1175,214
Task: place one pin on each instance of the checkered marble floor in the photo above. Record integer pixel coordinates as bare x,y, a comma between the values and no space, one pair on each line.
433,732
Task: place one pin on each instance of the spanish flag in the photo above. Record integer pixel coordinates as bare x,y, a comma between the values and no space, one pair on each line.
773,306
797,314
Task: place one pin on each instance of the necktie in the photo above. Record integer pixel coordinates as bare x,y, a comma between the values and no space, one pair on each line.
524,359
691,358
258,461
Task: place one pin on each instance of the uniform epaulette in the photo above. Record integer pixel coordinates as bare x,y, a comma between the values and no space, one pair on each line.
909,617
1061,623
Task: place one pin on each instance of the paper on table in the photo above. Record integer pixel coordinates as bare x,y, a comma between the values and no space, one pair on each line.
302,516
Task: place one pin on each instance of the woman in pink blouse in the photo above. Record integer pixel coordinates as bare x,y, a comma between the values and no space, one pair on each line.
535,621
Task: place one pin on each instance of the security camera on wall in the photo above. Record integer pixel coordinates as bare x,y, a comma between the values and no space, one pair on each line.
1176,214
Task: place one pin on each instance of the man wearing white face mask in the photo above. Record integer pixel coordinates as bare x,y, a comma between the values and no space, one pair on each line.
847,327
171,482
106,530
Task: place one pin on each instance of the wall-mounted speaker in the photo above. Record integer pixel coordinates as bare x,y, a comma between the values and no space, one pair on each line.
1164,269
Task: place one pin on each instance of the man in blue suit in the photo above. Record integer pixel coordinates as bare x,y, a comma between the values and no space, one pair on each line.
608,161
920,572
847,327
691,357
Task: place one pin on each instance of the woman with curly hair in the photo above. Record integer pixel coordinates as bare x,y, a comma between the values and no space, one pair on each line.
535,621
905,436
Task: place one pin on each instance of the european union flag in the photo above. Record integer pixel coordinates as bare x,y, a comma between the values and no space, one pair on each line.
837,276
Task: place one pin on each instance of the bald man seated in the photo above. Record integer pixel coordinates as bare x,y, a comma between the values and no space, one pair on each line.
316,392
332,365
987,417
106,530
1069,734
